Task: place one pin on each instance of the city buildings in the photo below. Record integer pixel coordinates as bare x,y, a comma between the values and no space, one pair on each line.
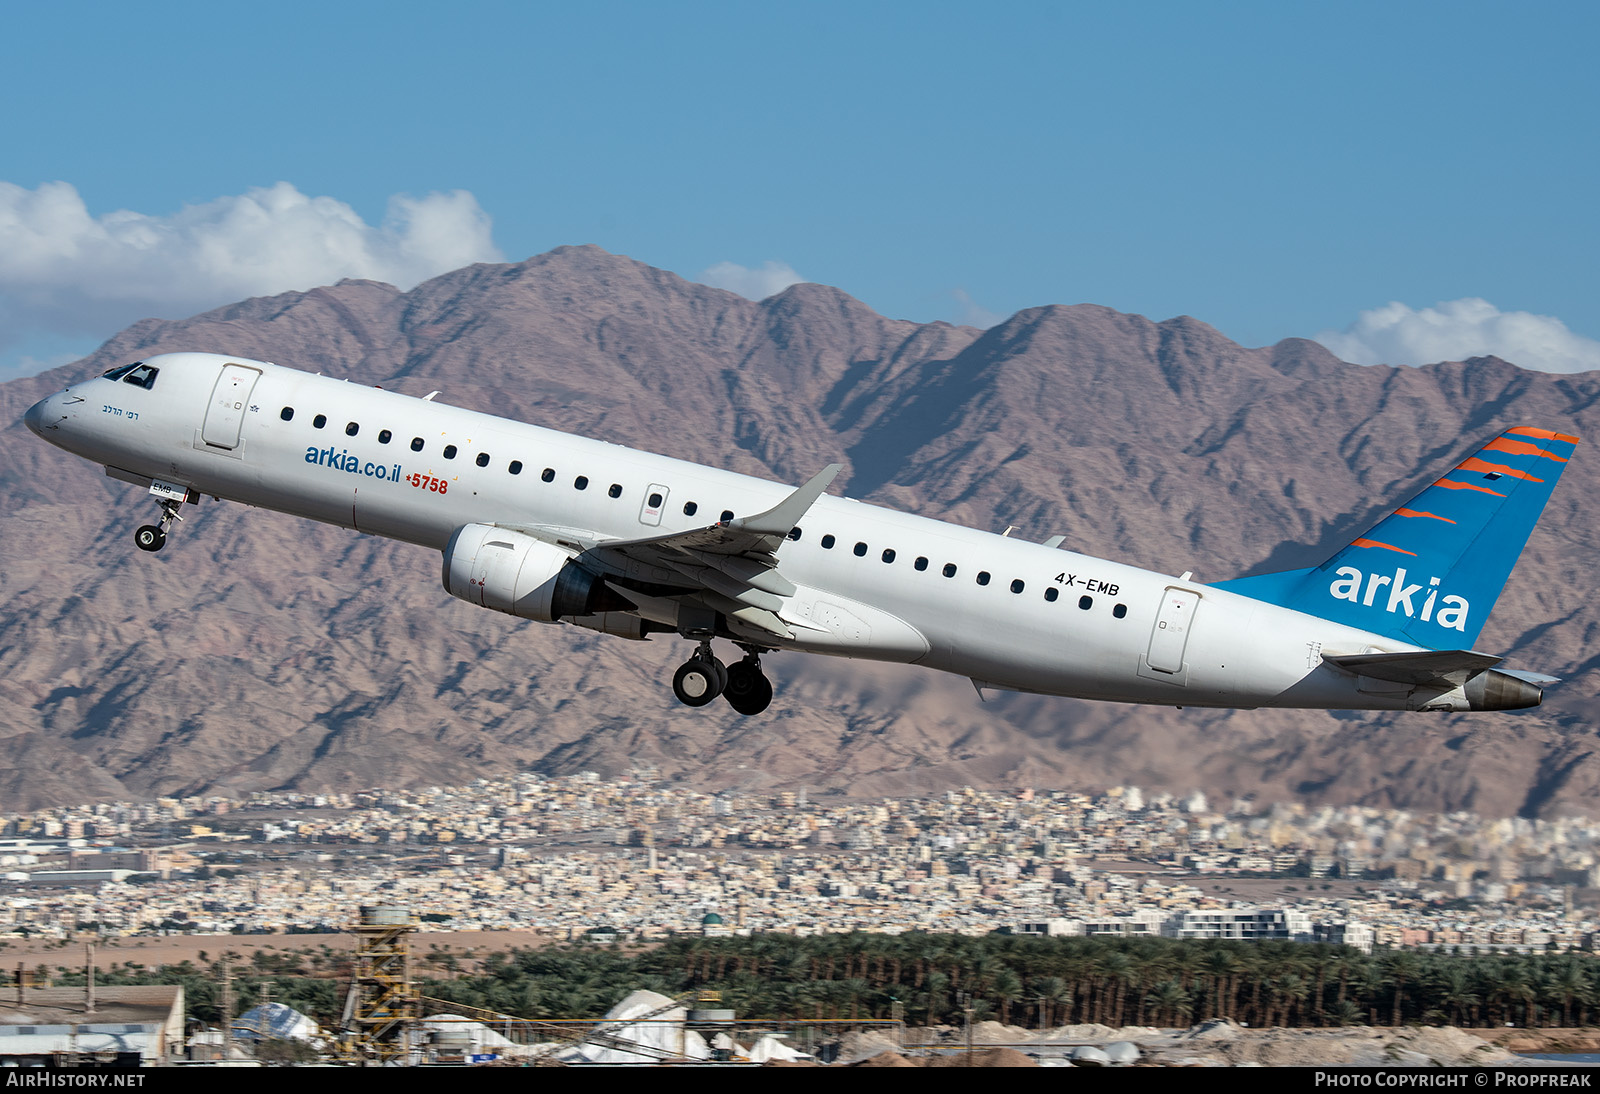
581,857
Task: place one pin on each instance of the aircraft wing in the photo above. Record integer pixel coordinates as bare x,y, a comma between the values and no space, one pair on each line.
1424,668
731,566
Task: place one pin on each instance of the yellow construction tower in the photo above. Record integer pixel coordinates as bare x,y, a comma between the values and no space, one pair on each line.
382,1009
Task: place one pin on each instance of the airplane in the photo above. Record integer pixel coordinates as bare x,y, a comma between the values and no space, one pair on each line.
559,528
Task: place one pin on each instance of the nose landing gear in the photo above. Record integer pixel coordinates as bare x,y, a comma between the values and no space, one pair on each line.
702,678
151,537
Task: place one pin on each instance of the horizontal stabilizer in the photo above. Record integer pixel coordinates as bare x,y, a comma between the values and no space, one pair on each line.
1427,668
1537,679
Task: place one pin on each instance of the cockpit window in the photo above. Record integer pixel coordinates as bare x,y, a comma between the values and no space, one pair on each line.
142,376
121,370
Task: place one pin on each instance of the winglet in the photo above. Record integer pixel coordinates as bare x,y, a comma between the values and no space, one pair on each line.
781,518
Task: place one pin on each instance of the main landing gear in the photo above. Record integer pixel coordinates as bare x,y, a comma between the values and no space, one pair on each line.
152,537
702,678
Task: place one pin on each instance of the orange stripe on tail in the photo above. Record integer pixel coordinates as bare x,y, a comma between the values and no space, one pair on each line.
1451,484
1418,513
1385,546
1529,431
1520,448
1475,464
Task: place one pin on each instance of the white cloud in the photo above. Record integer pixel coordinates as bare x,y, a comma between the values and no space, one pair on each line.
973,314
772,278
1457,329
69,273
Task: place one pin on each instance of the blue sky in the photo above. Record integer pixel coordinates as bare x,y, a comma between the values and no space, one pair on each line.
1416,179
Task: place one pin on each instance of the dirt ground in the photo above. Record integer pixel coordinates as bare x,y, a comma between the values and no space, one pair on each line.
1542,1040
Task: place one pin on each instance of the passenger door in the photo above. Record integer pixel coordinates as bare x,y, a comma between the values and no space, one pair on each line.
225,412
1171,633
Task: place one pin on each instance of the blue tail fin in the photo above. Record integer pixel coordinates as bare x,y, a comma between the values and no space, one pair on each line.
1430,572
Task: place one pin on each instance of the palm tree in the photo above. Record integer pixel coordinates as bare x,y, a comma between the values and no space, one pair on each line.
1184,959
1006,986
1370,986
1571,984
1077,971
1512,986
852,990
1219,964
1172,1002
1119,973
932,999
1321,957
1346,1013
1053,993
1454,991
1289,992
1401,967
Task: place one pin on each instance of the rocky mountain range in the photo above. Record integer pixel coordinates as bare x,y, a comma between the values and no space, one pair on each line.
263,651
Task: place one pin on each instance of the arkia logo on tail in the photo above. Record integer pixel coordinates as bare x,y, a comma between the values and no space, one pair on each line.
1452,610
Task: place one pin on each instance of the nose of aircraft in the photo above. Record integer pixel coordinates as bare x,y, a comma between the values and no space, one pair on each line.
35,418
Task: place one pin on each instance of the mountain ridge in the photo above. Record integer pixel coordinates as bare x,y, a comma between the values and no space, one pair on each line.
261,651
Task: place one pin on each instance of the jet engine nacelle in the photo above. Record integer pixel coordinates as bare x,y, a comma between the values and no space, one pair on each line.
514,573
1490,690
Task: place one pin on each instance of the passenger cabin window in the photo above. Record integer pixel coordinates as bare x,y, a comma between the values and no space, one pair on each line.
287,413
514,467
616,490
921,563
1017,586
656,500
384,436
319,421
483,459
860,549
1120,610
548,474
794,533
827,543
416,444
727,515
581,482
449,451
352,429
949,569
1051,593
983,577
690,508
888,554
142,376
1085,602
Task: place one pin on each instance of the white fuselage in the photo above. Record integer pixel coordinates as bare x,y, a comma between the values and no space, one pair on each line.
1109,631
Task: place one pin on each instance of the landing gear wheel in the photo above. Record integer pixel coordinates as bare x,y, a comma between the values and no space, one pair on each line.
698,682
153,537
748,690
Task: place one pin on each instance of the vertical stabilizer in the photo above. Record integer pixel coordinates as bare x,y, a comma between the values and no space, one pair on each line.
1431,571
